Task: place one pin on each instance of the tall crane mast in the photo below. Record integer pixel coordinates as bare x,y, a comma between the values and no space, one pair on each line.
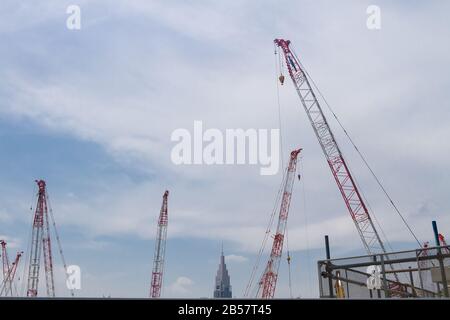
341,173
40,240
5,260
269,278
7,284
5,264
160,248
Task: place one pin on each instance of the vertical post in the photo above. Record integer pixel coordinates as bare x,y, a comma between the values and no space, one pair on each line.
418,253
327,247
436,233
378,290
411,279
328,268
441,262
346,280
385,284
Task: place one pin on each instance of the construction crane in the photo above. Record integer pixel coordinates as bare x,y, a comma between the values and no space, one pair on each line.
8,281
160,248
40,241
5,260
269,278
341,173
5,264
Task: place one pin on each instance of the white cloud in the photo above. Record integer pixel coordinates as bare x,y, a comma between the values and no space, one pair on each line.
235,258
127,96
11,243
181,286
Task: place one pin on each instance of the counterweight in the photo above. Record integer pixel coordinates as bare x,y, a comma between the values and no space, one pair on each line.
269,278
160,248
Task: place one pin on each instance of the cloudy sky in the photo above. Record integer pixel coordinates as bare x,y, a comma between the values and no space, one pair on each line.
91,111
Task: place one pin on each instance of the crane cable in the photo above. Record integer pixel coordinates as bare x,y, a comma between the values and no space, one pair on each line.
264,241
59,243
278,69
288,262
27,254
359,153
302,182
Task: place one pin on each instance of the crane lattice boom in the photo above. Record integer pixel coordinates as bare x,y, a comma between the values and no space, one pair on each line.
160,248
269,278
341,173
7,285
40,239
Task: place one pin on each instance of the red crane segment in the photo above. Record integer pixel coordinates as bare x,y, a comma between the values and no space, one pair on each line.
160,248
5,260
40,239
6,268
269,278
443,243
341,173
7,284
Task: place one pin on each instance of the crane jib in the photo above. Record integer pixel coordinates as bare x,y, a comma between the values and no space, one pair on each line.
346,184
292,64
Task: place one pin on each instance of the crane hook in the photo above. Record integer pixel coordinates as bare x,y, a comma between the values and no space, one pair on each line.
281,78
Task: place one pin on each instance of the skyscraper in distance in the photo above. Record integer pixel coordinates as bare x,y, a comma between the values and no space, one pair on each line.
222,287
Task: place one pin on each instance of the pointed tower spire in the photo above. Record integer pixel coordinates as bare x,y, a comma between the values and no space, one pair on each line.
222,287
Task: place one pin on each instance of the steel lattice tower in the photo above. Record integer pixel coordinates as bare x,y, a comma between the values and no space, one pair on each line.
269,278
40,240
160,248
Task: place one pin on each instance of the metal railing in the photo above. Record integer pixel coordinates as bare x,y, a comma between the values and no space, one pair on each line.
421,273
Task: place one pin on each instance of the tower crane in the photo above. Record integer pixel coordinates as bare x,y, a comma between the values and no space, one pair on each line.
269,278
345,181
160,248
341,173
5,264
7,284
5,260
40,240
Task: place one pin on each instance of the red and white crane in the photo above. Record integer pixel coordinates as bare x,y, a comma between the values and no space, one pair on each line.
160,248
9,271
40,241
5,259
341,173
269,278
7,284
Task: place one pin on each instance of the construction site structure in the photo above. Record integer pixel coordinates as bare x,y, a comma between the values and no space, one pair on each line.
160,248
269,278
40,241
